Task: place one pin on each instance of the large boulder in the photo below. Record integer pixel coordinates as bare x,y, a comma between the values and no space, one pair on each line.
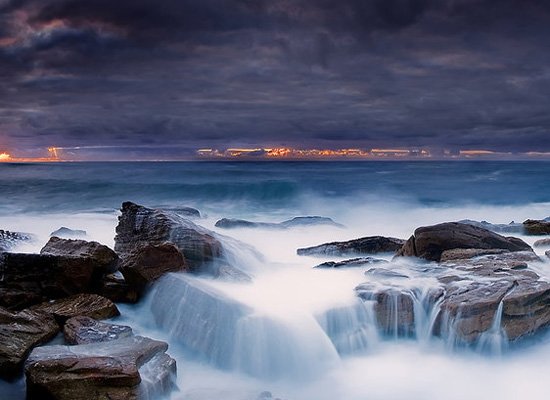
430,242
85,330
366,245
123,369
104,259
19,333
88,305
536,227
141,226
148,262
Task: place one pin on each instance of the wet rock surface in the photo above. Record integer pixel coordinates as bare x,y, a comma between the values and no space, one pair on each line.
89,305
430,242
366,245
146,263
85,330
109,370
351,263
536,227
102,257
231,223
140,226
19,333
542,243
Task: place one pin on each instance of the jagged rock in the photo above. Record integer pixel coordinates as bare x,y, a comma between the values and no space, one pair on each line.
85,330
512,227
430,242
352,262
542,243
19,333
8,240
88,305
139,226
536,227
101,256
67,233
111,370
366,245
29,279
230,223
146,263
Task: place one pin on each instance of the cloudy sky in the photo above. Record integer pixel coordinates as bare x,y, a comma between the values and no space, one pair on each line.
170,75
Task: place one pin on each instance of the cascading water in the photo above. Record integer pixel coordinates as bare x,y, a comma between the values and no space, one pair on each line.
494,340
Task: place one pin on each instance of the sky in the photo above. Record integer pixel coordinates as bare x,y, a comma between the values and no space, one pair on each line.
169,76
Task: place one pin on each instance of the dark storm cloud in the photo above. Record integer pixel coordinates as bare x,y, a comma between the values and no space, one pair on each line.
325,73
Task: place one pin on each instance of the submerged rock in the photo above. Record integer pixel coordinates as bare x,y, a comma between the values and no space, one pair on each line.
110,370
430,242
19,333
141,226
542,243
366,245
384,273
8,240
85,330
67,233
88,305
536,227
230,223
351,263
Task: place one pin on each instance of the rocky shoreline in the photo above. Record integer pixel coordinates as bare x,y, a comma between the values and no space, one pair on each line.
72,285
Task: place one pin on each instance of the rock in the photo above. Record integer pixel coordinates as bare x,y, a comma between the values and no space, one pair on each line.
352,262
29,279
430,242
542,243
230,223
146,263
535,227
111,370
88,305
104,259
547,253
384,273
8,240
67,233
139,226
461,254
85,330
188,212
366,245
115,288
512,227
19,333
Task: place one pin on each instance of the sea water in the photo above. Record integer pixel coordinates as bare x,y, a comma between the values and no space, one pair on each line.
296,331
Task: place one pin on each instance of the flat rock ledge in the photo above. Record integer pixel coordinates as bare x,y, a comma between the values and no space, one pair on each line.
365,245
124,369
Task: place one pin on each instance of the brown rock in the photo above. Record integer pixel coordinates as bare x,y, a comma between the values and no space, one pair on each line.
536,227
146,263
140,226
431,241
461,254
115,288
366,245
103,257
85,330
88,305
112,370
19,333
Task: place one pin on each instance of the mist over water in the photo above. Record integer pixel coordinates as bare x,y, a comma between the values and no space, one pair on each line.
296,331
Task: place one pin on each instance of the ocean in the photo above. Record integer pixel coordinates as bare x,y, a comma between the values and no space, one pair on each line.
368,198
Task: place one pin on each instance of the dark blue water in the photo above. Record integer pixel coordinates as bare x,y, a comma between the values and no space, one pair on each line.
275,185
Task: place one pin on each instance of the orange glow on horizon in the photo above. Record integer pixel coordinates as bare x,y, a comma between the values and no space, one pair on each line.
6,157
